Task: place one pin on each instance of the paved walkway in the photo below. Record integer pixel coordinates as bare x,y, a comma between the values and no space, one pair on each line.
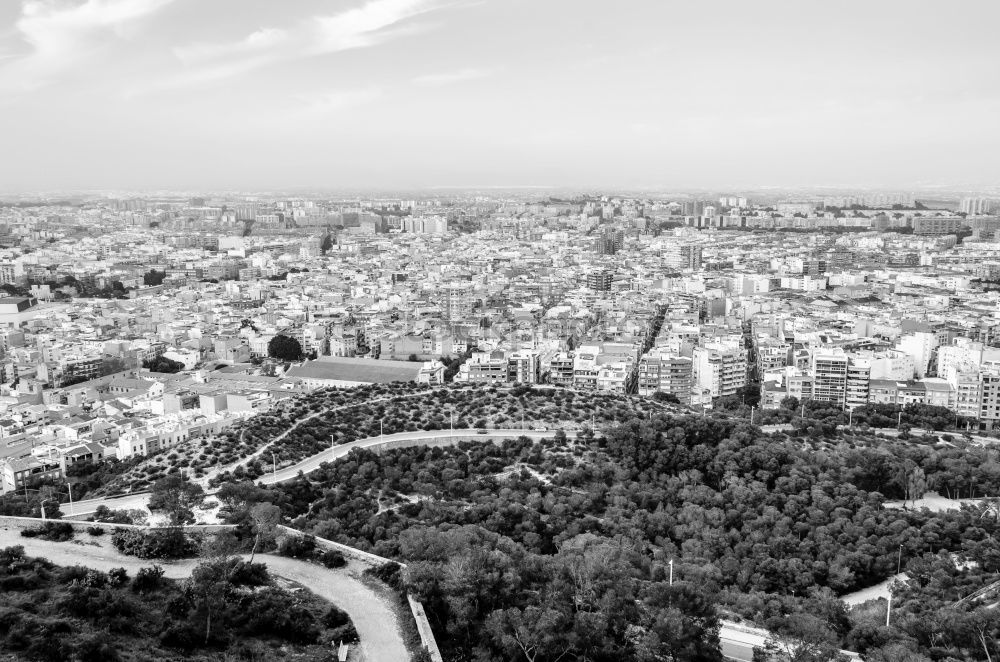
374,618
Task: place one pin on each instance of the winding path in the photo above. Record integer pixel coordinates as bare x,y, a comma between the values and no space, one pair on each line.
215,471
373,617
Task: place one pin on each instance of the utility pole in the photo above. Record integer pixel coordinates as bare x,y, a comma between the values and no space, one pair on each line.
899,558
274,465
899,420
671,572
752,408
888,609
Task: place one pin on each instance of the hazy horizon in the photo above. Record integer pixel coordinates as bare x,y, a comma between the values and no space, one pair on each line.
466,94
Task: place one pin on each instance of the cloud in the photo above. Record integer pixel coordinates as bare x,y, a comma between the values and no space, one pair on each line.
62,33
262,40
373,23
448,78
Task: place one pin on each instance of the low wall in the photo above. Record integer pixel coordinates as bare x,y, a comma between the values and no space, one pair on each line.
424,628
19,523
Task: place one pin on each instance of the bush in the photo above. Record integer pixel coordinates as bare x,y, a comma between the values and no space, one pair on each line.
76,573
388,573
335,617
243,573
168,543
148,579
331,559
117,577
52,531
297,546
345,633
95,530
275,612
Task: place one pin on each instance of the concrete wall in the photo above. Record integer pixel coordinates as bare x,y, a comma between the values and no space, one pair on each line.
19,523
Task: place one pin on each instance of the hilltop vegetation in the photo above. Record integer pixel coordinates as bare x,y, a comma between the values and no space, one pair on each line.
526,550
308,424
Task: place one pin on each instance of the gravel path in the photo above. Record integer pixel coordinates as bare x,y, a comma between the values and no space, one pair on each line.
373,616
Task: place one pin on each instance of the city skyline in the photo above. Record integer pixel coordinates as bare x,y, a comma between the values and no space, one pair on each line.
159,94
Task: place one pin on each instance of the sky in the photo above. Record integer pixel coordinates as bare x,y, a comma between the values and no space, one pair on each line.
657,94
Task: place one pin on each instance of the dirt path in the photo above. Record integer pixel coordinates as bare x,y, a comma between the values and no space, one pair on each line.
373,616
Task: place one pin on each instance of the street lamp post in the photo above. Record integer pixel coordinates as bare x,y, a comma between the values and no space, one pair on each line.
671,572
899,420
752,408
41,507
274,465
69,490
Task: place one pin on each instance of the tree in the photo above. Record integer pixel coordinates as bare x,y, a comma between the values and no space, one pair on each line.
802,638
176,497
915,482
163,364
284,348
153,277
895,653
208,586
537,633
264,518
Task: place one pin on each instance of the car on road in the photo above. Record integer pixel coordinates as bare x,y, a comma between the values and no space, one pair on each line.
481,431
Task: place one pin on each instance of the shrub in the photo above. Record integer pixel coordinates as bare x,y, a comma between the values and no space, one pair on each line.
168,543
243,573
148,579
335,617
331,558
345,633
117,577
52,531
296,546
76,573
95,530
388,573
277,613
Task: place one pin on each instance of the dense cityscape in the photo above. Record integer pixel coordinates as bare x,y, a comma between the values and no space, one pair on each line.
185,344
499,331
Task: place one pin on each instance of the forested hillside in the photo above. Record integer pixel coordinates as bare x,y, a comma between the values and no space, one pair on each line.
526,549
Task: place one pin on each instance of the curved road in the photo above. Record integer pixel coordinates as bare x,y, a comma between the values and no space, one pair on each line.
401,440
374,619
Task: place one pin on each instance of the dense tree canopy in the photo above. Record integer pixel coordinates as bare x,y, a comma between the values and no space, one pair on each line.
284,348
525,548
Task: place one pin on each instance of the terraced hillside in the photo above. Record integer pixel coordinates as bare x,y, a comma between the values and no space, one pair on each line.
309,424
